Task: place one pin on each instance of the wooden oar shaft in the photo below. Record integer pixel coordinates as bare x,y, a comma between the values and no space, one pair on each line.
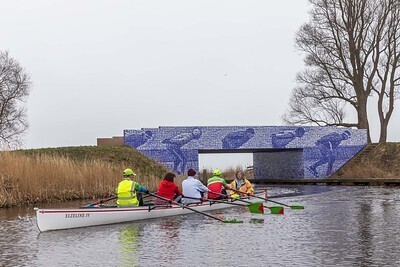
186,207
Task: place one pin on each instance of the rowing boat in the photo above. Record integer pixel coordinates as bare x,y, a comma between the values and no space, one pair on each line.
57,219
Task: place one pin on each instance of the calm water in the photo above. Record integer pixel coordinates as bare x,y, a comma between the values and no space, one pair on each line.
340,226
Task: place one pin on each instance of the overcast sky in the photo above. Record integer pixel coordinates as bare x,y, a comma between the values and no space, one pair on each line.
99,67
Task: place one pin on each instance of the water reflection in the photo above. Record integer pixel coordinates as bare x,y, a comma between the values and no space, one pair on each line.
169,238
343,226
129,240
364,232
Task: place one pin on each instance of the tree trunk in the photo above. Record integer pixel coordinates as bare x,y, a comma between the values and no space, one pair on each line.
363,117
383,134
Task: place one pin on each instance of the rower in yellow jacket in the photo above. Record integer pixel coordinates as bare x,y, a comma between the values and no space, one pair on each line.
240,184
127,190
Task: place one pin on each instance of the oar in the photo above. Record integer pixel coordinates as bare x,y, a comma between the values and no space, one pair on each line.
256,207
101,201
293,207
189,208
274,210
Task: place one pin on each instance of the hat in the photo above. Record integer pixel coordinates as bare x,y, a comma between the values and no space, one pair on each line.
191,172
128,172
217,172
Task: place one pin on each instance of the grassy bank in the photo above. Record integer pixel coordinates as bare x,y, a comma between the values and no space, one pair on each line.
58,174
383,161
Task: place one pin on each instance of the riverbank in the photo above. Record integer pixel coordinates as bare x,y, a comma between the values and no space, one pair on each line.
87,172
59,174
380,161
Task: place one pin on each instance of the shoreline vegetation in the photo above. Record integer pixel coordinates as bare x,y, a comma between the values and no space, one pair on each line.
34,176
376,160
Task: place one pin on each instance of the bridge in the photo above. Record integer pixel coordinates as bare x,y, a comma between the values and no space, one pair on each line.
284,152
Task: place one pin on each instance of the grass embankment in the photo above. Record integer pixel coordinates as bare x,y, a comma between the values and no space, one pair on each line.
59,174
381,162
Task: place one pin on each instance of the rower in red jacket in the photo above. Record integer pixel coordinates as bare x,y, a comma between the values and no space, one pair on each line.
217,186
167,189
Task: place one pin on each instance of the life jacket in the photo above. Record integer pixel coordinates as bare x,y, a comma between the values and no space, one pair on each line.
126,193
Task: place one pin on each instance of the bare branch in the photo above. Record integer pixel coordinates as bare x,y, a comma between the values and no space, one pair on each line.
352,51
14,89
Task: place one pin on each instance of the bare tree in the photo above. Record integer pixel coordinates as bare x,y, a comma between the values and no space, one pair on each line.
352,51
14,89
387,83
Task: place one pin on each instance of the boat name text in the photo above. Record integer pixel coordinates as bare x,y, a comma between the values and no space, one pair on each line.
77,215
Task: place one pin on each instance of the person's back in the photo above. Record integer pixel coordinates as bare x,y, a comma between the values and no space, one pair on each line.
127,190
191,187
216,186
167,189
126,193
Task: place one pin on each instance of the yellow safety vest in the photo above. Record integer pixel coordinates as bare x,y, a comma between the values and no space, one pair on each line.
126,193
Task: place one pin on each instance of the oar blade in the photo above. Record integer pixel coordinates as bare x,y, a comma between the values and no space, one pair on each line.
257,208
277,210
232,221
297,207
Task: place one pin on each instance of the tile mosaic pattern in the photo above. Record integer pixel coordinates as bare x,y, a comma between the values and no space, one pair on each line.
279,151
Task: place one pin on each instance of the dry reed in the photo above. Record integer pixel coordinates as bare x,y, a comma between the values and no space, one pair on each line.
381,162
46,178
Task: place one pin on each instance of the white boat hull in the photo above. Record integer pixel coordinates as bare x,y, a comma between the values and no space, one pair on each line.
57,219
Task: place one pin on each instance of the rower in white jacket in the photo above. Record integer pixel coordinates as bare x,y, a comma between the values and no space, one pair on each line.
191,187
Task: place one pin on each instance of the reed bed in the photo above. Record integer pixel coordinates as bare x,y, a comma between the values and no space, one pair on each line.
368,171
381,162
48,178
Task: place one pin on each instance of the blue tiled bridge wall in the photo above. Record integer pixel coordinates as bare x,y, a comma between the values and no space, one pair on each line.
278,151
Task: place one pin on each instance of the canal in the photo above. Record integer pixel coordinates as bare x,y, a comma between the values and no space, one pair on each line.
340,226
